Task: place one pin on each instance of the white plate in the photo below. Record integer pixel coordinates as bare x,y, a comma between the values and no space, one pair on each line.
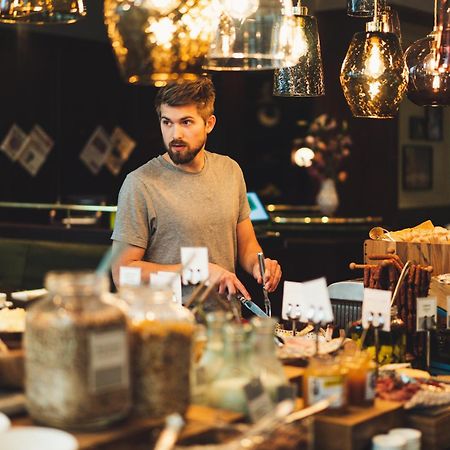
37,438
5,423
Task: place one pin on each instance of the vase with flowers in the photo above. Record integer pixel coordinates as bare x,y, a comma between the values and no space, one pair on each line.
330,141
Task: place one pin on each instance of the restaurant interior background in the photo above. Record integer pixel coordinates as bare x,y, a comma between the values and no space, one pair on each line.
65,79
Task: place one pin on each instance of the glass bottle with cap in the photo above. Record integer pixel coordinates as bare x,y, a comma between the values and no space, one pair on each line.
161,341
77,354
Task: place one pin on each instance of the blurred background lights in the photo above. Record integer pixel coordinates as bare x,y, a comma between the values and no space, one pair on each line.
303,157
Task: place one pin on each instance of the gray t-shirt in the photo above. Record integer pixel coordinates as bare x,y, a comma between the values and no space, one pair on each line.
162,208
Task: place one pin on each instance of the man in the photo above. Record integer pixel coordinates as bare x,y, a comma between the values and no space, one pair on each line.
188,197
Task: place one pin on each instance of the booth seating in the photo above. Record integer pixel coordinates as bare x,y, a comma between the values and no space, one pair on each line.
24,263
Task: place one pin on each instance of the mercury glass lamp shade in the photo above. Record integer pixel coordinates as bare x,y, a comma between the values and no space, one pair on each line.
158,41
374,75
254,35
427,85
40,12
305,79
362,8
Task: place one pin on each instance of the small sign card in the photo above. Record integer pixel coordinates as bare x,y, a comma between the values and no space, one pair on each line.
195,264
426,313
169,280
13,142
448,312
96,151
376,308
121,147
258,401
35,150
308,301
129,276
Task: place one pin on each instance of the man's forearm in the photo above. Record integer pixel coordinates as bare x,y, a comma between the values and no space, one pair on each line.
249,257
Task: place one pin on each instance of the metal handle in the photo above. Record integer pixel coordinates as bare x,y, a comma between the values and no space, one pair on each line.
262,265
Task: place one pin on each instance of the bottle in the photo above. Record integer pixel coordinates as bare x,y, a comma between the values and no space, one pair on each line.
227,391
161,341
392,343
212,359
324,377
76,354
264,361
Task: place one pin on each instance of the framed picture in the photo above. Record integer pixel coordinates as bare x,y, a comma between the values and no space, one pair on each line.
434,123
417,167
417,128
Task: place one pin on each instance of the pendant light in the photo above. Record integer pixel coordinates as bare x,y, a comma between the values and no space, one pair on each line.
254,35
374,75
157,41
40,12
429,81
305,79
363,8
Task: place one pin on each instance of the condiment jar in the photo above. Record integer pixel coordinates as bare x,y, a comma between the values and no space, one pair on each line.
76,354
161,336
323,378
264,361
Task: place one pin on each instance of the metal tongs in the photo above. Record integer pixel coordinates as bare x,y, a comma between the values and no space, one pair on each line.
262,271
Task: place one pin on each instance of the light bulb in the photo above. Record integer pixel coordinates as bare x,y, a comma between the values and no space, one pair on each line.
374,65
161,6
240,9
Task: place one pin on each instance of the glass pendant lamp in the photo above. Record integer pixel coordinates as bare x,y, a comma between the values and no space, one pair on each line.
362,8
40,12
157,41
254,35
305,79
374,75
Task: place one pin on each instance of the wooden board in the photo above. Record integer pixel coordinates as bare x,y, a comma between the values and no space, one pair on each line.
436,255
354,430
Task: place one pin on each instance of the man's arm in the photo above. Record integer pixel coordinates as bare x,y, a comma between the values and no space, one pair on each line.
130,255
248,249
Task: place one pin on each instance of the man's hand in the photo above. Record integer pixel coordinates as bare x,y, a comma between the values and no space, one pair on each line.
272,276
228,282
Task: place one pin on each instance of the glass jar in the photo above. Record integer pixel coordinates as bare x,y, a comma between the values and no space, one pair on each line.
161,340
76,354
392,343
264,361
324,377
227,391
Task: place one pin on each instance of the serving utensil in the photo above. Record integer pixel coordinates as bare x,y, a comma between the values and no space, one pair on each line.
262,271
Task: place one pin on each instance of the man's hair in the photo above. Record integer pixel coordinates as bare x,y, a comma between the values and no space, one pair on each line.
199,92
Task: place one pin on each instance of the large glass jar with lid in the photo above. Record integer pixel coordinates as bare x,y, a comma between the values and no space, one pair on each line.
77,354
161,335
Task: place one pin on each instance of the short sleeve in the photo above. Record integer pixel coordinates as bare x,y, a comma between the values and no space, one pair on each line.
244,207
135,213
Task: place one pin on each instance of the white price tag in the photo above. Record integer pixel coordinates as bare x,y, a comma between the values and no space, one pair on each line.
376,308
308,301
195,264
426,313
129,276
448,312
169,280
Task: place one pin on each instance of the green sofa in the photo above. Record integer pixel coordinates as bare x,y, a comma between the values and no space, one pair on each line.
24,263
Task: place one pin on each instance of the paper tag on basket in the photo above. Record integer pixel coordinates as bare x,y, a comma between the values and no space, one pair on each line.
169,280
195,264
448,312
376,308
309,301
426,313
258,401
129,276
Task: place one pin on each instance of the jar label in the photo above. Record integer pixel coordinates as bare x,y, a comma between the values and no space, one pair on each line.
109,367
370,385
320,388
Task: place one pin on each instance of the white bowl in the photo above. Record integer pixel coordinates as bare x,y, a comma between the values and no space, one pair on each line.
387,442
411,435
5,423
37,438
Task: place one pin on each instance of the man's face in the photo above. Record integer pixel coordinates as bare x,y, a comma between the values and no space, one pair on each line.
184,132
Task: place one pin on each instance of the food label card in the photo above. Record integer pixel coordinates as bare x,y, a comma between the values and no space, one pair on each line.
129,276
195,264
426,313
308,301
376,308
169,280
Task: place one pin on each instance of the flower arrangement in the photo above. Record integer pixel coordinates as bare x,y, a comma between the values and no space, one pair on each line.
330,142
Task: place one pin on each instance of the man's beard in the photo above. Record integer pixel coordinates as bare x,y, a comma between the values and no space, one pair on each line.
184,157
